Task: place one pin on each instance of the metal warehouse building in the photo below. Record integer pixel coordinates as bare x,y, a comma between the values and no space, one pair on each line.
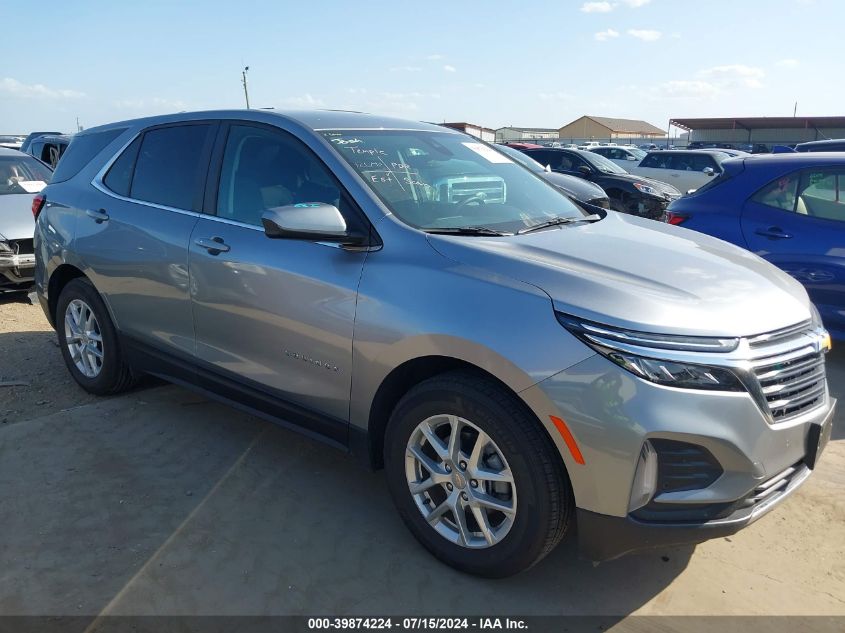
505,134
766,131
599,128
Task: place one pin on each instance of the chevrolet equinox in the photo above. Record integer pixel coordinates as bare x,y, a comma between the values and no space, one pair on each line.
409,294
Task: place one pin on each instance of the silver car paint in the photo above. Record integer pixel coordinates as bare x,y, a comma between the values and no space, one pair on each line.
486,301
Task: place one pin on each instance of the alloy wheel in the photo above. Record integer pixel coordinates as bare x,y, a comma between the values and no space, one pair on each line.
83,338
460,481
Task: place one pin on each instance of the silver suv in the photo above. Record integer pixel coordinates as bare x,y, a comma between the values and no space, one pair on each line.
411,295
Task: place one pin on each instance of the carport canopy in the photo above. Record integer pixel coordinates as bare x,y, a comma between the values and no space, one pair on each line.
759,123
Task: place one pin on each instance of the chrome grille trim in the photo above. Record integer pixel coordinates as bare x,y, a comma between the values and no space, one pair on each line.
790,371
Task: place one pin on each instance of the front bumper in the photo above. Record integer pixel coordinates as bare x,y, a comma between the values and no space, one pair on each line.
16,269
611,413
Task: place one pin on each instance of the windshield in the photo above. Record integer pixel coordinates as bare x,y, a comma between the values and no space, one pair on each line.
602,164
436,180
522,159
22,174
640,154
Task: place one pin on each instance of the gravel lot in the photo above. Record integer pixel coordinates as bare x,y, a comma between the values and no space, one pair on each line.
160,502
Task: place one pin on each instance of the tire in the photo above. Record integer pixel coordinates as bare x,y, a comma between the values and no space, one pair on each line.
109,372
539,499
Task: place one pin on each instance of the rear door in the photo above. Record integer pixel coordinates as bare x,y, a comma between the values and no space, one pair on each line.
797,222
274,317
133,231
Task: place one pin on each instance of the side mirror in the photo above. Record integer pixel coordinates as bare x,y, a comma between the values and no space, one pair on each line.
548,169
314,221
709,171
584,170
629,157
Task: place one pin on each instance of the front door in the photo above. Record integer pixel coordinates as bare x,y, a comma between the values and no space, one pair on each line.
798,224
275,316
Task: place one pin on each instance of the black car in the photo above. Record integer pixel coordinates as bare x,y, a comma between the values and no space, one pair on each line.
48,148
574,187
32,136
628,193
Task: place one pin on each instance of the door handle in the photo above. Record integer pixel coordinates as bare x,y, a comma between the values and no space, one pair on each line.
99,216
773,233
214,245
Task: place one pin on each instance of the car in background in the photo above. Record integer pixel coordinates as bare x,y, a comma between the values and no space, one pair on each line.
628,193
11,142
576,188
49,148
21,177
649,147
34,135
622,156
522,146
734,153
830,145
684,169
787,208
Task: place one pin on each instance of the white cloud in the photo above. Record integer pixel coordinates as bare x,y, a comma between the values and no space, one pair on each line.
732,75
449,69
303,101
646,35
688,89
19,89
405,69
597,7
787,63
603,36
636,4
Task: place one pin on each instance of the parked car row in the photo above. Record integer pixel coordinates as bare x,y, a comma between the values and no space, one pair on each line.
21,177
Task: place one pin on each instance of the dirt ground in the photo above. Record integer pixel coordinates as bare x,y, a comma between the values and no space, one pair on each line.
161,502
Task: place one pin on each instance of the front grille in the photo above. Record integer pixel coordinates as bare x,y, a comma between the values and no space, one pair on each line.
792,380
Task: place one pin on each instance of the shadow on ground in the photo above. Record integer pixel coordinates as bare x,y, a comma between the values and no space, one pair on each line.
160,502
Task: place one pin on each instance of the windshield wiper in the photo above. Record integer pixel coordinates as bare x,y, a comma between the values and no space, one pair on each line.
464,230
558,221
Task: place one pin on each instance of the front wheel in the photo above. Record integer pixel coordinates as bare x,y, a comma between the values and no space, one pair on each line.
89,341
475,477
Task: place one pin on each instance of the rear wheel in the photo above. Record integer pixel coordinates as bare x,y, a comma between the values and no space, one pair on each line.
89,342
475,477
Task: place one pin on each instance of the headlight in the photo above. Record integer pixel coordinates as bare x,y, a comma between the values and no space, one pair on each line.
652,191
616,345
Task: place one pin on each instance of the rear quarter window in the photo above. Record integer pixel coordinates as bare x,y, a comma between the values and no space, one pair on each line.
82,149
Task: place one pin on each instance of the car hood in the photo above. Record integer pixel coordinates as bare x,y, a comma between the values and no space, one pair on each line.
16,220
578,188
643,275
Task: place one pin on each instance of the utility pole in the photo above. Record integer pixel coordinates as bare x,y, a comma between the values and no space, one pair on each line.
246,92
795,110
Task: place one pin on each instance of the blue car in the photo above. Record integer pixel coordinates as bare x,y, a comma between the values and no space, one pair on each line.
788,209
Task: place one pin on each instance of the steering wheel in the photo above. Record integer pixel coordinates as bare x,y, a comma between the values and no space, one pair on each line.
476,197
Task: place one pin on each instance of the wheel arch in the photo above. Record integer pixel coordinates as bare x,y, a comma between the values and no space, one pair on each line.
414,371
61,277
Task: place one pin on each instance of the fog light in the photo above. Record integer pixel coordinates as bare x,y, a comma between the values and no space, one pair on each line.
645,478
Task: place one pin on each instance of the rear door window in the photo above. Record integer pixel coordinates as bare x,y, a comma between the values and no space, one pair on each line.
119,177
171,166
821,194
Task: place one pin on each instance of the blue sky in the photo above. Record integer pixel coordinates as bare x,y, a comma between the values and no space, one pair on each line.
494,63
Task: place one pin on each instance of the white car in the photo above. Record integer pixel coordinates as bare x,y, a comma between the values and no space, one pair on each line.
684,169
625,157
